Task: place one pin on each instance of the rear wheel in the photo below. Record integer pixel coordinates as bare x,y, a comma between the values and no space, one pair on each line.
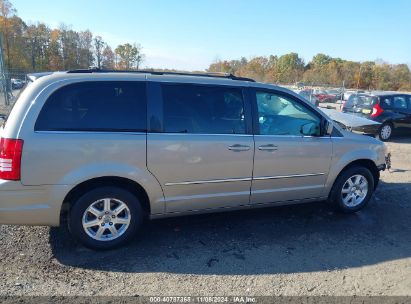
385,131
105,218
353,189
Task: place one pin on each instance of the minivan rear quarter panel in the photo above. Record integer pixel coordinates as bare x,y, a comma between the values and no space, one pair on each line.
72,157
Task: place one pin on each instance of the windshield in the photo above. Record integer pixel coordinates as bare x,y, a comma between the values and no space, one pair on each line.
361,101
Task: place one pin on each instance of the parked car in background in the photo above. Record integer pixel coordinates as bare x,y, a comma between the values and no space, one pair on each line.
353,123
308,94
392,110
16,84
348,93
2,121
337,94
324,96
102,151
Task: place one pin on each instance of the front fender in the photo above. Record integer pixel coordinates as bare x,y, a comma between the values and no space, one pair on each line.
343,159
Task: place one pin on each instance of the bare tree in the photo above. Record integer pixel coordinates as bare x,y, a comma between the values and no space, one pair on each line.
108,58
99,47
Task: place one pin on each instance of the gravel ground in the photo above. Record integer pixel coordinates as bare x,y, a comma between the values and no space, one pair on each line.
295,250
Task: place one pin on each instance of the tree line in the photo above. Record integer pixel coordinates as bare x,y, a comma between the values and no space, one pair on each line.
321,70
37,47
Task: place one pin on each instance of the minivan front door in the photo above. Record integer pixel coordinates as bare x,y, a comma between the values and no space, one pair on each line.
291,160
202,152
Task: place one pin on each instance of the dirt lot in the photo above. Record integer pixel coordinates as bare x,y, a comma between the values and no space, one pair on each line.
298,250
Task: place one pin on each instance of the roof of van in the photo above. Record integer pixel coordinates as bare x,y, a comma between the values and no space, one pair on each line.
47,78
34,76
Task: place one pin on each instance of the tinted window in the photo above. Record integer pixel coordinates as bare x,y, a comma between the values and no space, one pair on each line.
400,102
386,102
95,106
361,101
279,115
203,109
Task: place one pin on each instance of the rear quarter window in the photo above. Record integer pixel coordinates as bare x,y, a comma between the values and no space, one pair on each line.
400,102
96,106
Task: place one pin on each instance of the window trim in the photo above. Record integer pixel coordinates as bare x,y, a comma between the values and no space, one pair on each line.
155,108
256,126
92,130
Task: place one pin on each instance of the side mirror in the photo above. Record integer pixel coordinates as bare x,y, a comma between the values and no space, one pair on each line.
310,129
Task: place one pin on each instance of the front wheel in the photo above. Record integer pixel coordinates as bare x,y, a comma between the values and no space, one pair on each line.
352,190
105,218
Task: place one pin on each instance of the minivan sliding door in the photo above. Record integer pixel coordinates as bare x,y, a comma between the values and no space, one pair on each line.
199,145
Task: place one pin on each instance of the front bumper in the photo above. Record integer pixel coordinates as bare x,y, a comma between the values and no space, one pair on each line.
387,164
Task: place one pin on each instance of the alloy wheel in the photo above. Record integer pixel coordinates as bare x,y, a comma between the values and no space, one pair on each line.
106,219
386,132
354,191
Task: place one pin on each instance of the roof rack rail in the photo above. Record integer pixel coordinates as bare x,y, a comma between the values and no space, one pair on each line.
207,74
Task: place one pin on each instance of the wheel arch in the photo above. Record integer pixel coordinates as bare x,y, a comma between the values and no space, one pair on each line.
94,183
389,121
367,163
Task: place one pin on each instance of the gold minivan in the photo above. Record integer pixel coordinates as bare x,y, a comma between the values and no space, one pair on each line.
104,150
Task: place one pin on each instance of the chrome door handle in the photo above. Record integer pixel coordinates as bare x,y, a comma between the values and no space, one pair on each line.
268,148
238,148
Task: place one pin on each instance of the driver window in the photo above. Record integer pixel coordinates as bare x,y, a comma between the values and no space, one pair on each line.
279,115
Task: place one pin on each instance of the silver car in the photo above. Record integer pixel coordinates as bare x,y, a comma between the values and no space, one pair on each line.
103,151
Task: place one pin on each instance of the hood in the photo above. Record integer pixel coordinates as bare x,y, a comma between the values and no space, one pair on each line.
348,120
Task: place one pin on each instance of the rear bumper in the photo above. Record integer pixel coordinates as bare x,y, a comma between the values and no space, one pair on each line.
30,205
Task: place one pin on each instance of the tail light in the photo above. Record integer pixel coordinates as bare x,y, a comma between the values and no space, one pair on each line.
376,110
10,158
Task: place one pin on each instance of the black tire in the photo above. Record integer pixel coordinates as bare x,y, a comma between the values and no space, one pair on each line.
382,135
75,219
336,196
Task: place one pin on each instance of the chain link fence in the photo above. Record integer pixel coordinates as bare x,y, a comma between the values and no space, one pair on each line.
10,86
11,82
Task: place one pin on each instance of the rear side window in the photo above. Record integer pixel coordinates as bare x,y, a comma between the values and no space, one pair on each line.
361,101
96,106
400,102
203,109
386,102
